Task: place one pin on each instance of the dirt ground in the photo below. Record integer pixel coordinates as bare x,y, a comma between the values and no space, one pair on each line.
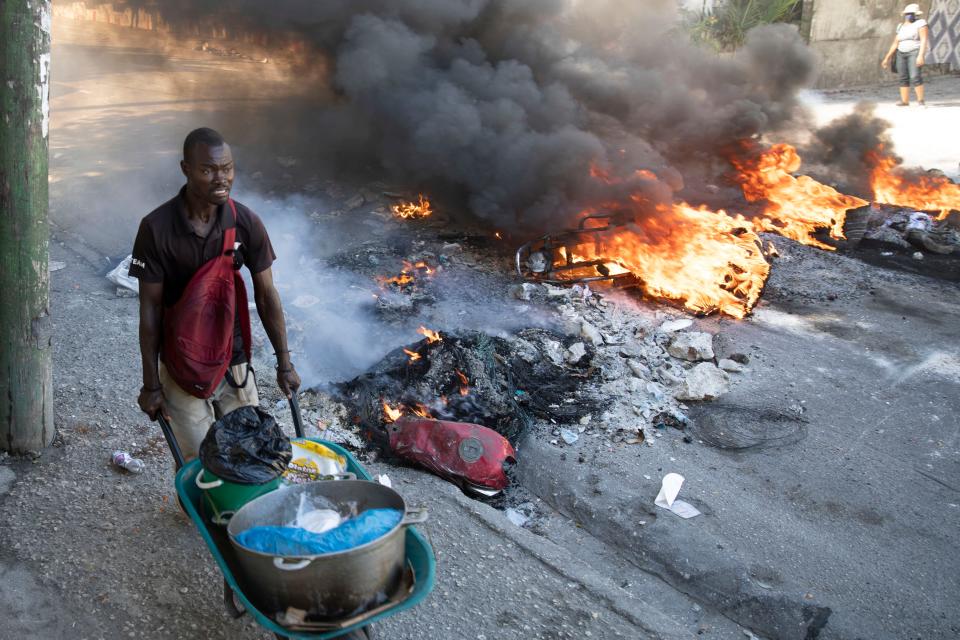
835,518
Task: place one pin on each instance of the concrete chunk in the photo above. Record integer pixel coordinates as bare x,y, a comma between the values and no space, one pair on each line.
590,333
693,346
730,365
575,352
703,382
670,326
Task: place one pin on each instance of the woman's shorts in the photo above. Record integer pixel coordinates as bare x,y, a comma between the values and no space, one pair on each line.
910,74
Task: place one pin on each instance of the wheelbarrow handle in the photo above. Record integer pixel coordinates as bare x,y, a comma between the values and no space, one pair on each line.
171,440
295,412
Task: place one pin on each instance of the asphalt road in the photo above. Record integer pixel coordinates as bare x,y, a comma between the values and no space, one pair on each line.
851,507
87,552
828,475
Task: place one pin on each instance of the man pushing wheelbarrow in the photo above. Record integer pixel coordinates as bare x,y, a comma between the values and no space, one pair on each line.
194,318
195,346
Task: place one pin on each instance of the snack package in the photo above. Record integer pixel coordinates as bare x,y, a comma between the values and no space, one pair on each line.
312,461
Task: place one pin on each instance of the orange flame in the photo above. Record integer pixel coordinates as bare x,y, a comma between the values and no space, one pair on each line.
408,210
421,410
400,280
713,261
924,192
389,413
464,383
708,260
414,356
796,207
407,274
419,266
429,334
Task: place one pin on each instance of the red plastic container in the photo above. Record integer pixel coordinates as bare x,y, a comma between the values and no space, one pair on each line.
457,451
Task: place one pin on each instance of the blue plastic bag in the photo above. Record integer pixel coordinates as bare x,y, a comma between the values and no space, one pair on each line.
293,541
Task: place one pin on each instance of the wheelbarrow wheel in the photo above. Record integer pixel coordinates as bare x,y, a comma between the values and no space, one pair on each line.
231,603
366,633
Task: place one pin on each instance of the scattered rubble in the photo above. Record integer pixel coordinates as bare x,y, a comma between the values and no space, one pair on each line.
731,366
675,419
693,346
576,352
639,369
590,333
704,382
523,291
675,325
516,517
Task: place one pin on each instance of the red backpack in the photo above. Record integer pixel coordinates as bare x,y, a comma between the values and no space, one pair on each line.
198,329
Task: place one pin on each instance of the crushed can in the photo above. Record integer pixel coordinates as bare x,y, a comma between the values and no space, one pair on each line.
467,454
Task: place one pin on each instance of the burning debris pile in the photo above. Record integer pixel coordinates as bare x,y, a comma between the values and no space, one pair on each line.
617,372
501,383
407,210
793,207
407,291
924,191
908,229
712,261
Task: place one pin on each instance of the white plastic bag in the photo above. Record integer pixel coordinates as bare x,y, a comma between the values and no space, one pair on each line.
315,520
120,275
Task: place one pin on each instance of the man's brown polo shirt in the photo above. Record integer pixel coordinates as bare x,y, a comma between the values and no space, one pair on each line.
167,250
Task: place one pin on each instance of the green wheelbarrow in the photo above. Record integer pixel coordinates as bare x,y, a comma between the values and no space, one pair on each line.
420,559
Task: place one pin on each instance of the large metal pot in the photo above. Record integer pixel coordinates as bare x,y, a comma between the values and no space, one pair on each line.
332,585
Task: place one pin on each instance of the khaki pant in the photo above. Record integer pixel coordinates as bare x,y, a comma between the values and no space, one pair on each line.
191,417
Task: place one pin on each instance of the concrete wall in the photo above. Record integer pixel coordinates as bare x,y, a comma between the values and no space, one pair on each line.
697,5
851,37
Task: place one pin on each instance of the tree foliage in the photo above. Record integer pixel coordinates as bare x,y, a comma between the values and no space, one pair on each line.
725,26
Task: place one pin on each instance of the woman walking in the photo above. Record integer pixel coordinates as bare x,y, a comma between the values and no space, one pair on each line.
909,46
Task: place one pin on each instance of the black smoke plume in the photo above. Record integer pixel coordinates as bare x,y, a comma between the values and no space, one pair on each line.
848,146
516,106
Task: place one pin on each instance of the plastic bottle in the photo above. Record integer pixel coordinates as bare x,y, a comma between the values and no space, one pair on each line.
128,462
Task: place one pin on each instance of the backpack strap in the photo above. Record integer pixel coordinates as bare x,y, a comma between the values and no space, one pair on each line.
233,381
240,290
230,234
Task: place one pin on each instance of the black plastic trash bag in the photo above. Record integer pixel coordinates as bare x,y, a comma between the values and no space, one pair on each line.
246,446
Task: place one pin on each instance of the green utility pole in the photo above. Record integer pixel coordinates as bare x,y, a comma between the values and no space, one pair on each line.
26,387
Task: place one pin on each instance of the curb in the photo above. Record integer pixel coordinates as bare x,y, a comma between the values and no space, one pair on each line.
688,558
556,558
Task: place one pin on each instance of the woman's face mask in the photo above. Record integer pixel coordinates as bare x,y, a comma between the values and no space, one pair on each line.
911,17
